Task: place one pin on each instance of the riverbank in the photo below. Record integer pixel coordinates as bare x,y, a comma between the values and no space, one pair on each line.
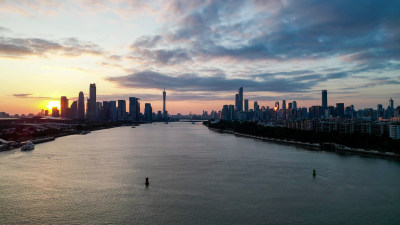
331,147
53,134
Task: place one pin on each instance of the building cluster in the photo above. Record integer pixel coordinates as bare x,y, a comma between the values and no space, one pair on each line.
380,121
107,110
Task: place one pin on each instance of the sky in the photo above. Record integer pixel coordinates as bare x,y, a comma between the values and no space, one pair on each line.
202,51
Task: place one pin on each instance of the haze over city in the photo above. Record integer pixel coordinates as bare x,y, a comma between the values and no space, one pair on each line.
202,51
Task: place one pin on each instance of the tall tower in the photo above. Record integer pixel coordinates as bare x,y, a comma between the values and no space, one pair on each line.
92,103
284,104
81,106
164,102
134,108
324,100
246,105
391,103
64,106
240,100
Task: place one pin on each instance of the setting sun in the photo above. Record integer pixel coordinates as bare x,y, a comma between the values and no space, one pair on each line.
52,104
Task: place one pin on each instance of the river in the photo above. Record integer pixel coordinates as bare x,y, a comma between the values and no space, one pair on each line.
197,176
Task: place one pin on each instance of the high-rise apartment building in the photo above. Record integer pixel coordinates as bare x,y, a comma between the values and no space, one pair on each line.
148,112
324,100
64,106
91,103
134,108
121,110
246,105
73,111
81,106
240,100
340,109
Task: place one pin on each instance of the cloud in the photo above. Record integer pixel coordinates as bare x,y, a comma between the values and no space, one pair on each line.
218,83
40,47
30,96
163,56
284,30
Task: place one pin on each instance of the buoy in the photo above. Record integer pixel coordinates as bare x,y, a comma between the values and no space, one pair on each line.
314,173
147,181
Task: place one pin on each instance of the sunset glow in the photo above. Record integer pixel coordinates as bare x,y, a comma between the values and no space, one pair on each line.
52,104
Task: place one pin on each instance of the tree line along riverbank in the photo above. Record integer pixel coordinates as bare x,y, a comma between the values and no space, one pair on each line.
355,142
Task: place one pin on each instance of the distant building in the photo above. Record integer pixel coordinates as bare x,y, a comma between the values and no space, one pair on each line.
284,104
231,112
294,105
324,100
256,106
165,114
64,106
148,112
105,111
225,113
391,103
340,109
315,112
290,105
246,105
91,103
276,106
134,108
394,131
240,100
73,111
55,112
113,110
121,110
81,106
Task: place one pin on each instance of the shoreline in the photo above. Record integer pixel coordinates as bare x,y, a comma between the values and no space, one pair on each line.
44,139
337,148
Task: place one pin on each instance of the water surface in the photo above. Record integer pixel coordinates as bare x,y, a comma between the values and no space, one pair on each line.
197,176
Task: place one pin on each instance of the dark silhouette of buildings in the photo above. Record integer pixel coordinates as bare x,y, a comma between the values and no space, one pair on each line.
64,106
81,106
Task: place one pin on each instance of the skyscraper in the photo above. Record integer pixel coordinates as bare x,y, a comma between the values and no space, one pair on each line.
134,108
340,109
148,112
294,105
91,110
240,100
237,102
121,110
81,106
284,104
64,106
256,106
165,114
113,110
276,106
73,111
391,103
324,100
246,105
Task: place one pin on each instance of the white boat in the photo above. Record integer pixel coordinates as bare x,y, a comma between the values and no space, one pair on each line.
28,146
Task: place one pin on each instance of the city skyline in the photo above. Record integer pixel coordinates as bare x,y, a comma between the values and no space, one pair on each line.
201,51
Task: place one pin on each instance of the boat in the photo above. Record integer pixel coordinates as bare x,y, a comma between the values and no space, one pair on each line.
28,146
